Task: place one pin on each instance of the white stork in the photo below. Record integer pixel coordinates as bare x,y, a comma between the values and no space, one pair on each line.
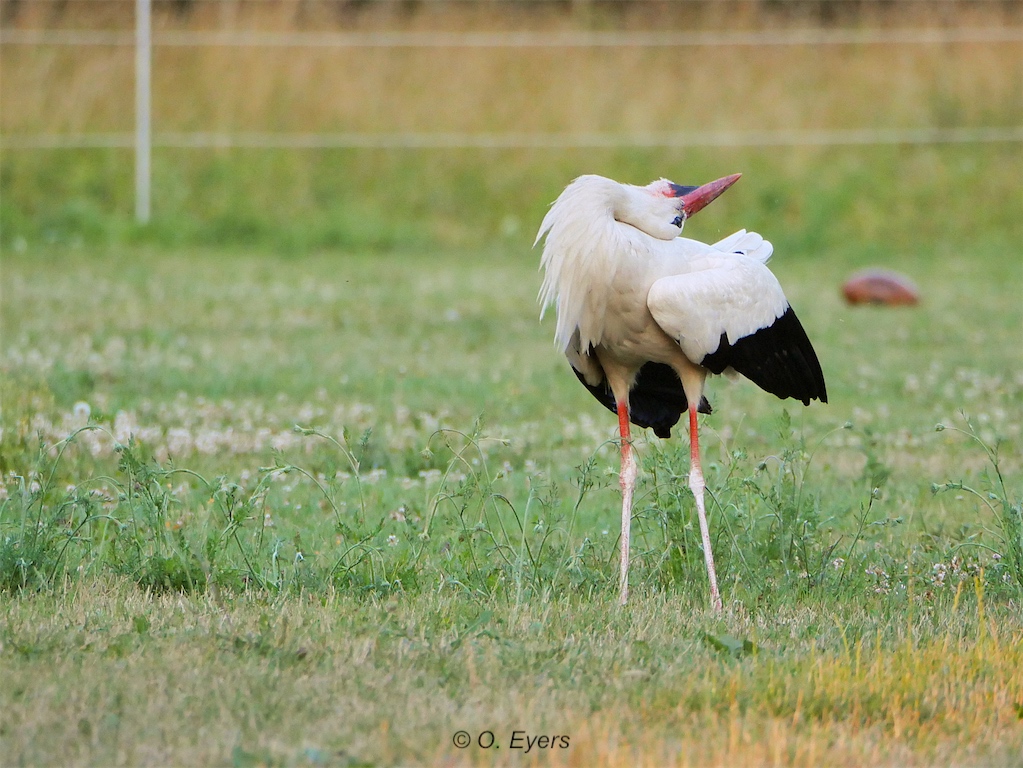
645,315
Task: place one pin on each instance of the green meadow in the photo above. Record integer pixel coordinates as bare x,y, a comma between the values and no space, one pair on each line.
293,475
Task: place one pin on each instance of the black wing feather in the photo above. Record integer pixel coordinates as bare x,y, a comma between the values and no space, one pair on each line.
778,359
657,399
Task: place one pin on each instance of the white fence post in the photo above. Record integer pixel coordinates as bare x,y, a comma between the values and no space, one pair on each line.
143,105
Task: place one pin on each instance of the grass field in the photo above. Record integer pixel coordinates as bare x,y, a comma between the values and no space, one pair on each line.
293,475
220,588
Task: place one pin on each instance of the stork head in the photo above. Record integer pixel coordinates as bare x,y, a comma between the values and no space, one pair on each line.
584,244
661,208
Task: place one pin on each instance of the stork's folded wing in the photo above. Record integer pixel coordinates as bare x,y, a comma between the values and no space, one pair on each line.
732,295
731,313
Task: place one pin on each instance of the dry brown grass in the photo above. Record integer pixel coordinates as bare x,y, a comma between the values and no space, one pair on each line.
614,90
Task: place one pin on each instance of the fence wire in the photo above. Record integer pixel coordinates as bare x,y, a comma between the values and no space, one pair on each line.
760,138
341,40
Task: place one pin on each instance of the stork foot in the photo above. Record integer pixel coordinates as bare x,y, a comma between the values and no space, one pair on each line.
697,486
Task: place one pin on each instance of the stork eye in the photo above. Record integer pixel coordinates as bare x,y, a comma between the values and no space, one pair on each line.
677,221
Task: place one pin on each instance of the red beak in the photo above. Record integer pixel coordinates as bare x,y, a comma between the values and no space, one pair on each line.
699,198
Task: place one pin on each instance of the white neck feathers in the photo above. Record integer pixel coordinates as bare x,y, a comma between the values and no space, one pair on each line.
580,256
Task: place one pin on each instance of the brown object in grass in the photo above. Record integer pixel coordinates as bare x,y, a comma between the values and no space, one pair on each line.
880,286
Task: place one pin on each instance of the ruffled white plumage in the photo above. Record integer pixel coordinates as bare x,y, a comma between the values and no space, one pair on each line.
592,262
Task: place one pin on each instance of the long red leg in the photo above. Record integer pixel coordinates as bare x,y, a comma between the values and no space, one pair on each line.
627,480
696,485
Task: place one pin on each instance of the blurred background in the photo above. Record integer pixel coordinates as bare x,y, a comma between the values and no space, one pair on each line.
303,125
